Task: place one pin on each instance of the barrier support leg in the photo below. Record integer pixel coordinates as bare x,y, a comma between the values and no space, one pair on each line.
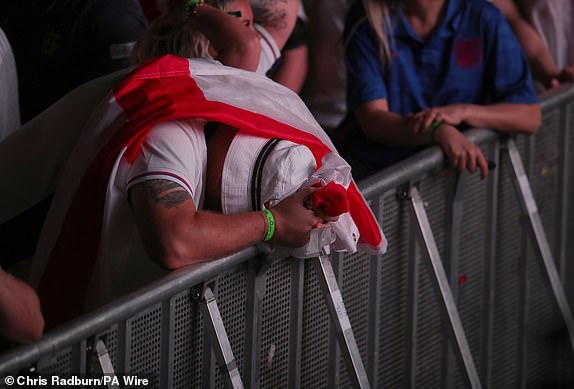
105,362
536,230
341,323
442,287
219,341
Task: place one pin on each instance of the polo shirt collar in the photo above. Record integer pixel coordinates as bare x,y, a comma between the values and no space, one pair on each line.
447,26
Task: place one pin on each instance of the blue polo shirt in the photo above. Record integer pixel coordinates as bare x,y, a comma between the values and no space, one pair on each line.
471,57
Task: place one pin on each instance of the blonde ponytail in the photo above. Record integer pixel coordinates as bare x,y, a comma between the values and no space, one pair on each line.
378,15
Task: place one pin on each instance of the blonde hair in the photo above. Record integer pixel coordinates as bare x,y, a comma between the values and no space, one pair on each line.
174,33
378,15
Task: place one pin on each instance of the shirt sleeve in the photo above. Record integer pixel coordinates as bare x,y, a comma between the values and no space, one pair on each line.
509,71
365,79
173,151
270,52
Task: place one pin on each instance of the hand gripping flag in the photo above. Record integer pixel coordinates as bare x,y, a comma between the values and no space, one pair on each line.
164,89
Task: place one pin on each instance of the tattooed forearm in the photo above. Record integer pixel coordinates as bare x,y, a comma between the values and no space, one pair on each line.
270,13
167,193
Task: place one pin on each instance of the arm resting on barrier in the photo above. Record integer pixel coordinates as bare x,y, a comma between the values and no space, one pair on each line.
503,117
175,234
383,126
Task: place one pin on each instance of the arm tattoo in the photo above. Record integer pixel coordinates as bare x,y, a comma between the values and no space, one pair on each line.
269,13
167,193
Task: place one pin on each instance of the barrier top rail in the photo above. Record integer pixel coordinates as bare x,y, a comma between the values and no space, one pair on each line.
408,170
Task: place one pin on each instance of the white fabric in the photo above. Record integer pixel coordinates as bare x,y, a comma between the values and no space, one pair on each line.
270,52
173,151
287,168
553,20
9,106
278,103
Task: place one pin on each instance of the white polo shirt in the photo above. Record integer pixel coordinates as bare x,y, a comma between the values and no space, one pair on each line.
174,151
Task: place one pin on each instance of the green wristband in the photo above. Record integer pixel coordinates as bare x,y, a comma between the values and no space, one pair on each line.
270,225
429,137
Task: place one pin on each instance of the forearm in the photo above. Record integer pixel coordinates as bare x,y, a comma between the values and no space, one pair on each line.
209,235
174,234
236,45
541,62
293,69
504,117
382,126
21,319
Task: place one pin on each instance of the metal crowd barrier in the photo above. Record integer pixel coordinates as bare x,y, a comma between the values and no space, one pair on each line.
475,291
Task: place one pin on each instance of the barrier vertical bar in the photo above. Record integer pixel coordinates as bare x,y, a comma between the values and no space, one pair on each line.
564,203
296,325
166,347
105,362
122,356
530,210
340,320
454,221
257,277
333,349
489,291
440,282
373,341
219,341
412,305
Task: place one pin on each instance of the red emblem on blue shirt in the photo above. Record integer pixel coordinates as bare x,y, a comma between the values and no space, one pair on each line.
468,52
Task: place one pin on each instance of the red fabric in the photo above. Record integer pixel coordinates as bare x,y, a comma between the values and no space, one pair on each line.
331,199
160,90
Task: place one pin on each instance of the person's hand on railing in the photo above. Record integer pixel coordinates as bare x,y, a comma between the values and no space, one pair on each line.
294,220
453,114
461,152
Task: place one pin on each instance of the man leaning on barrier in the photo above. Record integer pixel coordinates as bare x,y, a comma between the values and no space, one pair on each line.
128,203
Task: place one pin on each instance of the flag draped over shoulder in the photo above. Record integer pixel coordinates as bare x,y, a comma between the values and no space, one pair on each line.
165,89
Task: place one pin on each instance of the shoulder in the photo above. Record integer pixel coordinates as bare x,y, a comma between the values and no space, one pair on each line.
176,133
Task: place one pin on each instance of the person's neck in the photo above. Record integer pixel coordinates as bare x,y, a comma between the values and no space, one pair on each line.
424,15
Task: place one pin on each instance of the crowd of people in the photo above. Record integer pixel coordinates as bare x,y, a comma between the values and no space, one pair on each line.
168,133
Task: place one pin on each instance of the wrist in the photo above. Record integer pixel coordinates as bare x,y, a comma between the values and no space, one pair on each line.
430,133
269,230
441,133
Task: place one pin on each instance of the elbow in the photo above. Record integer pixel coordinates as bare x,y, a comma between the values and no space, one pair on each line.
177,254
534,120
366,125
